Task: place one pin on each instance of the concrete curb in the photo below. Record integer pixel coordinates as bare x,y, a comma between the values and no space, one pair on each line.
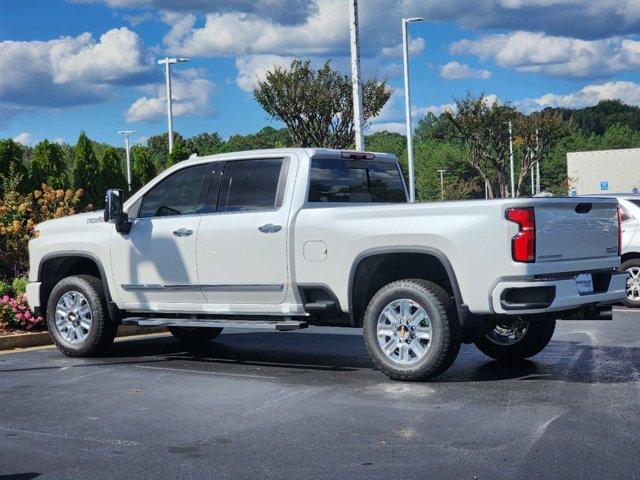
38,339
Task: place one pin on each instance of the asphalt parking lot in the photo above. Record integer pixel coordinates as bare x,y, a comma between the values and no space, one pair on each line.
310,405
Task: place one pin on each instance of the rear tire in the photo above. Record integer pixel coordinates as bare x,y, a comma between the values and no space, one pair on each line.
516,340
632,267
195,335
411,330
78,318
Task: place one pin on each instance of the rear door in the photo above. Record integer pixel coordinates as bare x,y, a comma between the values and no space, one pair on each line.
242,240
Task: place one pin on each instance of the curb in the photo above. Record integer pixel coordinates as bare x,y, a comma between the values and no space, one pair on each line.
39,339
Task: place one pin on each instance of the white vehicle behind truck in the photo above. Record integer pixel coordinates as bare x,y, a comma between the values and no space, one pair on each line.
281,239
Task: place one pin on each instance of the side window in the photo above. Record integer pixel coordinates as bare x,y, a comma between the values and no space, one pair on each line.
625,216
252,185
178,194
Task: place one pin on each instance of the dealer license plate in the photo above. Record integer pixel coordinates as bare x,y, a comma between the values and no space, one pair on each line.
584,282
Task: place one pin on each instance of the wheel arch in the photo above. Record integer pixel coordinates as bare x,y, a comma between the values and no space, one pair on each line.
629,256
439,270
69,263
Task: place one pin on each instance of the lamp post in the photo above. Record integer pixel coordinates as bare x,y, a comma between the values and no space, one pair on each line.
441,172
513,184
167,72
407,105
126,134
356,85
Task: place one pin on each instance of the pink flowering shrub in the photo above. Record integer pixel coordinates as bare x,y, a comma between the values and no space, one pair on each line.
15,313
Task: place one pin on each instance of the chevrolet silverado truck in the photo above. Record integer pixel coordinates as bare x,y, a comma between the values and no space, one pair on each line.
280,239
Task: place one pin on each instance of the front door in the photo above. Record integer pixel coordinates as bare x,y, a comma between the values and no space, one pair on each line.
154,266
242,245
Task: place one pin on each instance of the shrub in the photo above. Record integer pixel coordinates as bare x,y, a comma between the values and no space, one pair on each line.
15,313
5,288
19,286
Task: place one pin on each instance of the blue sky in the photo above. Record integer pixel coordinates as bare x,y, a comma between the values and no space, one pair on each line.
92,64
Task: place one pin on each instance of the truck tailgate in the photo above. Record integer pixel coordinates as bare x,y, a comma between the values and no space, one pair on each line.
583,228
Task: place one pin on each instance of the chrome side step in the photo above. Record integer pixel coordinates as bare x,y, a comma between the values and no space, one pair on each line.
278,325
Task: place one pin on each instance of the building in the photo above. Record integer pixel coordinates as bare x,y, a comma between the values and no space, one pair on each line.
602,171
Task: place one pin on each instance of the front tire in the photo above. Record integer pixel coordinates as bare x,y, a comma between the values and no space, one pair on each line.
632,267
411,330
78,318
516,339
195,335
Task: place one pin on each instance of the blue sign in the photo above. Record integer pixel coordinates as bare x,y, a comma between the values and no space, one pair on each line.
573,192
604,185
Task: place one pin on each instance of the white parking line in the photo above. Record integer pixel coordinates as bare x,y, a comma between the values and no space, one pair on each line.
184,370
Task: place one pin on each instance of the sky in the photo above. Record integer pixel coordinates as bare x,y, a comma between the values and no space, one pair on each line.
71,65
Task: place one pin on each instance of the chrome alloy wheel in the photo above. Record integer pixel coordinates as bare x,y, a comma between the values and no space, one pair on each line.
633,284
73,317
508,333
404,331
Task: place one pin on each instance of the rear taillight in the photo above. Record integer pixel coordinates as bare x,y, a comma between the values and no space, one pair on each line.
523,245
619,231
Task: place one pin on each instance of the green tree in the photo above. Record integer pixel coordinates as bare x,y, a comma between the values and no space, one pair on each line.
47,166
158,146
316,105
205,144
620,136
388,142
434,127
11,164
86,172
180,152
112,174
268,137
143,169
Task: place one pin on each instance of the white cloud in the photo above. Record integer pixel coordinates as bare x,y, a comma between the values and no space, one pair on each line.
396,127
24,138
457,71
191,94
58,140
416,46
252,68
557,56
628,92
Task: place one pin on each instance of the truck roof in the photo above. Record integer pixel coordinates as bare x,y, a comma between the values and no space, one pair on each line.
328,153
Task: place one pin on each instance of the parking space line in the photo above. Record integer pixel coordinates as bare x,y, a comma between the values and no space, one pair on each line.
184,370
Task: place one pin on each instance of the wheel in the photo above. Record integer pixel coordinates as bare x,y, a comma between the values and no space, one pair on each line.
411,330
516,339
632,267
195,335
77,317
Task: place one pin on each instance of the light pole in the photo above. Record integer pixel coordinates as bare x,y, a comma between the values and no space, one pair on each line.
407,105
441,172
537,164
355,75
167,72
126,134
513,184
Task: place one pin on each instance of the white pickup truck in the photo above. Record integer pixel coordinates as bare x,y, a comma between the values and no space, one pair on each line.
284,238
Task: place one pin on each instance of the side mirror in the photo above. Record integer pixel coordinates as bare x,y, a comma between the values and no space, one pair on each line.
113,211
114,200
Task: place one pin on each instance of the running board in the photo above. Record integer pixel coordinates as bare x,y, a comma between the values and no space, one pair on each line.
278,325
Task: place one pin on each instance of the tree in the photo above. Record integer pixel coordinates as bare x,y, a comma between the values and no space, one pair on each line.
482,126
180,152
143,169
536,134
268,137
11,164
388,142
86,171
434,127
316,105
47,165
620,136
205,144
158,146
112,174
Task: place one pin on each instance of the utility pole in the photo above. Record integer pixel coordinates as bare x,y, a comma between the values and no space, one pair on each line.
441,172
537,164
167,72
356,85
513,183
126,134
407,105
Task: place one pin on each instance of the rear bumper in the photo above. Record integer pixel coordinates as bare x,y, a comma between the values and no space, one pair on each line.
553,295
33,294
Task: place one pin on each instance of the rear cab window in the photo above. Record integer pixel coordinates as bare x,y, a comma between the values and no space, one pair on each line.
355,181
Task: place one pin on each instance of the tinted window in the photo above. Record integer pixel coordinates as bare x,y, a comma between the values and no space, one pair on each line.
635,202
625,216
178,194
250,185
355,181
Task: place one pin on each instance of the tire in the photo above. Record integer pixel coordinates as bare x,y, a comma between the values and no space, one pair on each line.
195,335
440,323
80,324
529,340
633,297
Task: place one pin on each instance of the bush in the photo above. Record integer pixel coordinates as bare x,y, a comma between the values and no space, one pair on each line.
5,288
15,313
19,286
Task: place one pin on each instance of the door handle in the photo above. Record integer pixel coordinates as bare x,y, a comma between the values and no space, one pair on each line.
270,228
182,232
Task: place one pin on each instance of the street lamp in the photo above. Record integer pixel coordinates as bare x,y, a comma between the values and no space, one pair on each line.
407,105
441,172
167,71
355,75
513,184
126,134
